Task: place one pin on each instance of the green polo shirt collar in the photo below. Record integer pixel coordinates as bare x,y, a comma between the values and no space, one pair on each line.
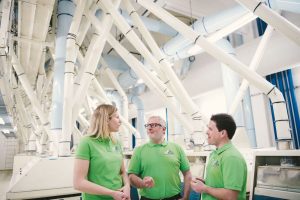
151,144
223,148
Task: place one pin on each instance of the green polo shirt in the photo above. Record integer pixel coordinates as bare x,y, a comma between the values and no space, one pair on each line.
162,162
226,169
105,164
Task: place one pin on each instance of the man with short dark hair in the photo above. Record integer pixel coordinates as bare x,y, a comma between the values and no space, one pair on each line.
154,166
226,172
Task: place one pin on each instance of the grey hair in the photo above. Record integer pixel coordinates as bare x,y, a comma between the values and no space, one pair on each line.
161,120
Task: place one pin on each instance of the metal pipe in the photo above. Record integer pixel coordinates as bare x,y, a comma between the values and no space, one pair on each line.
64,19
273,18
256,60
101,92
71,54
175,85
144,73
281,117
30,93
193,49
205,26
287,5
120,90
93,56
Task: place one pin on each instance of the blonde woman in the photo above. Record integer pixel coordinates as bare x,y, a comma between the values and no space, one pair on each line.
99,170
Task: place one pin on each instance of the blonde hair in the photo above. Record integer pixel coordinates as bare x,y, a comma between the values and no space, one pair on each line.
99,123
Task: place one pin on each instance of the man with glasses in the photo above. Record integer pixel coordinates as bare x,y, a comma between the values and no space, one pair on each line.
154,166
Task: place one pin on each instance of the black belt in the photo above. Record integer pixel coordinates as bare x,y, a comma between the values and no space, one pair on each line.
175,197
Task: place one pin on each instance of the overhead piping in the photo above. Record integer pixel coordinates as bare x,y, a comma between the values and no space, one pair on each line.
280,111
273,18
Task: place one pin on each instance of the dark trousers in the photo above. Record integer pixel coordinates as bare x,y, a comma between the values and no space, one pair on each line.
175,197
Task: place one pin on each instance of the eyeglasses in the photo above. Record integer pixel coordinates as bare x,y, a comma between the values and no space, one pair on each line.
152,125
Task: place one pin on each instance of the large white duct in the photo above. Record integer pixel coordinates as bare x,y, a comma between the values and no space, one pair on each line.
204,26
93,56
168,74
144,74
273,18
116,63
287,5
128,78
64,19
153,25
101,92
244,91
65,13
124,99
280,111
30,94
193,49
253,66
71,54
159,63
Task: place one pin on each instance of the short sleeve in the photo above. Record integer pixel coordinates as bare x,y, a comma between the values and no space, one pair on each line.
233,173
83,150
184,162
135,163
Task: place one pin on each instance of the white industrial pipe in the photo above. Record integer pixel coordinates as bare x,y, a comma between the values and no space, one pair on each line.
120,90
128,78
64,19
115,63
175,85
92,57
30,93
193,49
26,47
121,23
273,18
33,41
41,75
136,42
244,86
87,106
256,60
152,24
144,73
26,129
204,26
71,54
101,92
280,112
46,85
288,5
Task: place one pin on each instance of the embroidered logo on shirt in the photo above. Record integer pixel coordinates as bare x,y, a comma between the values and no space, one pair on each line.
169,152
215,163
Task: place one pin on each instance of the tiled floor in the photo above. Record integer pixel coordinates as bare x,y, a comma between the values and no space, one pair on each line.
5,176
